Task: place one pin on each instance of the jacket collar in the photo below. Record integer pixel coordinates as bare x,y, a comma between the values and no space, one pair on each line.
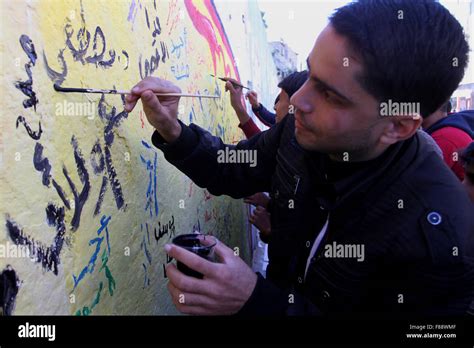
367,177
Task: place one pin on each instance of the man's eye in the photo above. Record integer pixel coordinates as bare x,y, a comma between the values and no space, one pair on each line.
328,95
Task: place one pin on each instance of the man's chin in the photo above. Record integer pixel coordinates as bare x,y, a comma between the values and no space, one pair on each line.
304,142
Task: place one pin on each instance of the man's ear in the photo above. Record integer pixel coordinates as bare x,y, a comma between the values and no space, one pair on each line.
400,128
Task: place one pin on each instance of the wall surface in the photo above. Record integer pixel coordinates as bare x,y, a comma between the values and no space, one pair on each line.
87,203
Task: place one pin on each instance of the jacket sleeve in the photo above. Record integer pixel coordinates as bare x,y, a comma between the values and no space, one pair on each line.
269,300
265,116
205,159
249,128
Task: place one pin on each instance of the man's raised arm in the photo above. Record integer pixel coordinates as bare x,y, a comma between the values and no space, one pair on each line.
235,170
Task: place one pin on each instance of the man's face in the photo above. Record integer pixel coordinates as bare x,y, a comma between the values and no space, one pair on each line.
282,106
469,180
334,115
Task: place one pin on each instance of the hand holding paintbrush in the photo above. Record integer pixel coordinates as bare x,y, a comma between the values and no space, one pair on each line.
234,82
237,100
160,100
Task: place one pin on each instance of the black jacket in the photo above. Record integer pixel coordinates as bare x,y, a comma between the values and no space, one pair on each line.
406,208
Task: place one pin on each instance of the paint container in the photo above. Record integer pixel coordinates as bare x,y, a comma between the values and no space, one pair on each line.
200,244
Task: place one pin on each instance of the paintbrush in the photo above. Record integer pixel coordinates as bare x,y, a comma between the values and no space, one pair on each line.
235,84
117,91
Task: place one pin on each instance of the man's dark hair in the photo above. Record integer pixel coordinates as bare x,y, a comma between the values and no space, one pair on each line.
277,99
411,50
293,82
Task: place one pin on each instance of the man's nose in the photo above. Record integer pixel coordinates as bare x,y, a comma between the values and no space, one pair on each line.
300,102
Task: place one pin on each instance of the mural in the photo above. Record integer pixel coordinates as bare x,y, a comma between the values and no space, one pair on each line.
87,202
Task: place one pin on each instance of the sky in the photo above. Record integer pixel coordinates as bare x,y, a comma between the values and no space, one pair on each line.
299,22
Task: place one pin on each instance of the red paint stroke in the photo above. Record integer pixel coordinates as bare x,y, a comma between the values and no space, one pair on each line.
204,26
171,8
207,195
207,216
217,22
141,119
190,189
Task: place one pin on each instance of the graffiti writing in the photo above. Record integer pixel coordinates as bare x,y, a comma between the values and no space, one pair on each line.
104,221
33,135
151,194
165,229
26,87
151,64
48,256
112,120
9,286
87,310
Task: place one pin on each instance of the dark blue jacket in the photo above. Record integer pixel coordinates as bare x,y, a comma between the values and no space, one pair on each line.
265,116
406,208
463,120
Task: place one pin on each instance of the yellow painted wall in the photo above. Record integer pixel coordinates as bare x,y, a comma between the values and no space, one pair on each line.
87,141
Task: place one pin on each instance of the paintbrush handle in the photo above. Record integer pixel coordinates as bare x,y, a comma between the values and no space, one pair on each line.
225,79
118,91
235,84
182,95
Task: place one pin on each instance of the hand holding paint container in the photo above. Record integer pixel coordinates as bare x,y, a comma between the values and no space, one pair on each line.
199,244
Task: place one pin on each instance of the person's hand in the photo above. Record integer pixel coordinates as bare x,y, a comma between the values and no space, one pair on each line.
258,199
260,218
161,112
224,289
236,94
253,99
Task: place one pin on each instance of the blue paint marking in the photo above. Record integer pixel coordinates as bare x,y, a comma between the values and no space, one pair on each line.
90,267
191,114
180,72
151,194
147,254
156,200
104,221
148,193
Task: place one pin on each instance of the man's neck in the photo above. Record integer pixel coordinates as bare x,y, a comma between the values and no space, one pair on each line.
431,120
358,156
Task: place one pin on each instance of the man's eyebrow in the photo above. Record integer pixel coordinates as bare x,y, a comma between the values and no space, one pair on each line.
326,85
332,89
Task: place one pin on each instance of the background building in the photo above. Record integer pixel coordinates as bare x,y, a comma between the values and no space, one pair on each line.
284,57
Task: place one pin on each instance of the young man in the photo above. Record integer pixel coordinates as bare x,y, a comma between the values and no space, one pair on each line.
366,220
452,133
260,217
266,117
467,158
289,85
